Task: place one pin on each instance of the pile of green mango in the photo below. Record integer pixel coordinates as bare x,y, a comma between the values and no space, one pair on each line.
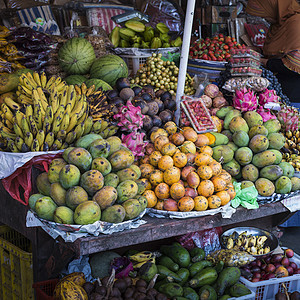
135,34
250,151
95,180
184,274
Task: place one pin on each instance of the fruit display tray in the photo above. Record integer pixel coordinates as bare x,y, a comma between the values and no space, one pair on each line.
244,53
245,71
198,114
245,62
267,289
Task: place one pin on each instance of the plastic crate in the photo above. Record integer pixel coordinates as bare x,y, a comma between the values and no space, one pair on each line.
267,289
16,275
134,62
44,289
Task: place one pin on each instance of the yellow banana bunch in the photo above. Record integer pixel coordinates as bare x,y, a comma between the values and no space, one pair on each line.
141,258
49,115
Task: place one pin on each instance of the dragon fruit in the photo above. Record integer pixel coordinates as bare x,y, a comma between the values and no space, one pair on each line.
135,143
129,117
267,96
245,100
265,114
289,117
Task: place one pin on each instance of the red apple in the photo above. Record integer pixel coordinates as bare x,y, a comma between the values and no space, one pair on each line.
290,270
289,253
258,263
297,271
263,266
293,265
285,262
270,268
257,275
276,258
253,263
255,279
277,265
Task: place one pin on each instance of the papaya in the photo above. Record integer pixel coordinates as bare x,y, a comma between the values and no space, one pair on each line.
229,276
207,293
206,276
184,274
147,271
190,293
197,254
239,290
177,253
168,262
171,290
198,266
164,272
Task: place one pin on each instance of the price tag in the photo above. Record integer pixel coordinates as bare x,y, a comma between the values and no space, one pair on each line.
292,204
273,106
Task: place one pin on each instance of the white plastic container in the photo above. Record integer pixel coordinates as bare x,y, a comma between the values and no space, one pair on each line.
267,289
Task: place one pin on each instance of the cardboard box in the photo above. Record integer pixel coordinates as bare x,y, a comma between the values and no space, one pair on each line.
218,14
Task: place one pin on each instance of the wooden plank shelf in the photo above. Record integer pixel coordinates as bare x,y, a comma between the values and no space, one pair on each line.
51,256
158,229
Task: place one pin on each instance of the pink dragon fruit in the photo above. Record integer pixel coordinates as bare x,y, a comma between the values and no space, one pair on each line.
135,143
268,96
129,117
289,117
245,100
265,114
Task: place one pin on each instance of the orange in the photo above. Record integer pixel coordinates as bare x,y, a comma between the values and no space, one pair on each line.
159,205
165,163
201,203
180,160
214,202
205,188
162,191
203,159
206,149
186,204
224,196
151,198
177,191
205,172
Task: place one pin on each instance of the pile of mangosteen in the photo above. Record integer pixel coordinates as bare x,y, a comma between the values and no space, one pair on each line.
158,107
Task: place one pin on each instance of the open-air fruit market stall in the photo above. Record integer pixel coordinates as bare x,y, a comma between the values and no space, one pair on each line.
125,177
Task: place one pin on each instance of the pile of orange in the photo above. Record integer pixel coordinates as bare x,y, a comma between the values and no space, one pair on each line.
180,172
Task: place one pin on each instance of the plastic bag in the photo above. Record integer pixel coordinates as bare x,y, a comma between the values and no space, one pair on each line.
246,197
200,84
208,240
167,12
231,258
22,177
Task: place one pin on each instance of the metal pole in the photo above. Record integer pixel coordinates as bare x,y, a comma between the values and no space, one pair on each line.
189,16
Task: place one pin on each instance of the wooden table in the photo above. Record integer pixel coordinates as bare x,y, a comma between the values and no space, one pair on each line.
51,256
